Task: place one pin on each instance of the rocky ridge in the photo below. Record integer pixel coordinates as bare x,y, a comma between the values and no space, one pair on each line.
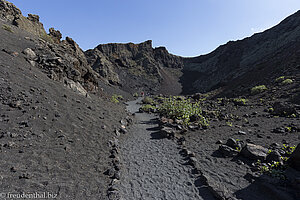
62,61
239,65
133,67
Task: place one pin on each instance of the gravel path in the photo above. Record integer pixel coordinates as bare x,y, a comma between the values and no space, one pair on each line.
153,167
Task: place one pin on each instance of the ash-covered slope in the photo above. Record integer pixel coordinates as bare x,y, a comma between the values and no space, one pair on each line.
52,139
62,61
134,67
244,63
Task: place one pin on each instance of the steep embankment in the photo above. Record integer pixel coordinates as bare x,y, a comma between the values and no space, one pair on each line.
52,139
238,66
135,67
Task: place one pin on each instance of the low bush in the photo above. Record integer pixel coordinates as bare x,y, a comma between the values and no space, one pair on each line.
274,168
115,98
279,79
148,108
287,81
240,101
7,28
147,100
258,89
135,94
182,109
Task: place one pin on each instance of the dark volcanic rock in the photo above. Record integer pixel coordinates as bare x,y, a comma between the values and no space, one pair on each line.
232,143
132,66
254,152
55,34
283,109
294,160
274,156
66,62
8,11
228,151
240,65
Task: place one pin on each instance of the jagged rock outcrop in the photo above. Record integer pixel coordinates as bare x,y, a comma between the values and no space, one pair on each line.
55,35
244,63
11,14
62,60
132,66
65,61
8,11
32,25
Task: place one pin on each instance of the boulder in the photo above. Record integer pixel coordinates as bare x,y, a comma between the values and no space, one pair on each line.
235,143
274,156
232,143
294,160
227,151
75,86
168,132
254,152
283,109
29,53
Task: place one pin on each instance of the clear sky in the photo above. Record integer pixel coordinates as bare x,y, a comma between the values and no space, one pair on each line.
184,27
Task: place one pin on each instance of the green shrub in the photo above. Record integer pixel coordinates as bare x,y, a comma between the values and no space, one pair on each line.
270,110
148,108
279,79
7,28
159,99
182,109
240,101
276,169
258,89
287,81
115,98
148,100
135,94
229,124
288,149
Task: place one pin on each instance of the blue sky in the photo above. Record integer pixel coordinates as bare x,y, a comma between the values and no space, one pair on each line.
184,27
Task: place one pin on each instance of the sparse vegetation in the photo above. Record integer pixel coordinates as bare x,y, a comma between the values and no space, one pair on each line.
258,89
116,98
279,79
288,149
276,168
270,110
182,109
229,124
240,101
7,28
288,128
284,80
148,100
135,94
287,81
148,108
